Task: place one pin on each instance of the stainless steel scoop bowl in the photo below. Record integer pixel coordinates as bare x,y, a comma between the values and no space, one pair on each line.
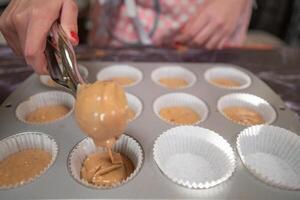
61,58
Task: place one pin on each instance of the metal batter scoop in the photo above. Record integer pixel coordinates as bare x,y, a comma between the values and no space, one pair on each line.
61,58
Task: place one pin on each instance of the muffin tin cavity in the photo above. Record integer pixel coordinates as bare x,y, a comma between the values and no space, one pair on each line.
46,99
184,100
272,155
126,75
26,141
228,77
250,102
194,157
173,77
126,145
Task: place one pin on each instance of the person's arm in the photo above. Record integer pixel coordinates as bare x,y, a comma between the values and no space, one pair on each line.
26,23
214,23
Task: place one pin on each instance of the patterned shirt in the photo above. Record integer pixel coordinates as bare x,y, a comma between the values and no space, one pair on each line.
113,25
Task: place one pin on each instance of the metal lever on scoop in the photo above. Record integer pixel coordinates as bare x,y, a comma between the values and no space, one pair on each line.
61,58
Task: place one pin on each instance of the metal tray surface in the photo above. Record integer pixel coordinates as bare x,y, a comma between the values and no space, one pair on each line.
149,183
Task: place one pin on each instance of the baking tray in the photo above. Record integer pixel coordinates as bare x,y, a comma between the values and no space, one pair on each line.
57,183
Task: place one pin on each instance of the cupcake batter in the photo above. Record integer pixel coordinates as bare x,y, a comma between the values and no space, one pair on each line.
47,113
101,111
180,115
52,83
226,82
98,169
243,115
23,165
131,114
123,81
173,83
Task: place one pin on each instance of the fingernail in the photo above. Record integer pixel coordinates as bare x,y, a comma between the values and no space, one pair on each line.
75,36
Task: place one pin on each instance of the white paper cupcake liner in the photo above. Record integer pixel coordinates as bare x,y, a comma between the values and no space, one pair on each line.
28,140
228,72
45,99
173,72
125,145
194,157
45,78
272,154
135,104
121,71
250,101
181,99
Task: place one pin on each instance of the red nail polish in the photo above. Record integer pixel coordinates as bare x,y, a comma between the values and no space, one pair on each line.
75,36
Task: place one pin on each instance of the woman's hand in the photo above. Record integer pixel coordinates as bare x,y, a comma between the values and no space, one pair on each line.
214,23
26,23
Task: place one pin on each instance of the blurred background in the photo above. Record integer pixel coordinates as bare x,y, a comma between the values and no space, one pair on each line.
273,23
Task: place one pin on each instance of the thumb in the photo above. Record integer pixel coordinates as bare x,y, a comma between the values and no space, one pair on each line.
68,20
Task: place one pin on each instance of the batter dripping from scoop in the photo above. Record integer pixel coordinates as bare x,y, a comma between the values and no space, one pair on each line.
101,110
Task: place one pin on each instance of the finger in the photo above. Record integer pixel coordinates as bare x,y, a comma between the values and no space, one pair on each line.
40,64
215,40
191,29
194,24
12,39
20,22
203,36
8,29
35,42
222,43
68,20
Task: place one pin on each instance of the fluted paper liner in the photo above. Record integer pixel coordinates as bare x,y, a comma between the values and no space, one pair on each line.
250,101
173,72
228,72
181,99
45,78
271,154
194,157
28,140
135,104
121,71
125,145
45,99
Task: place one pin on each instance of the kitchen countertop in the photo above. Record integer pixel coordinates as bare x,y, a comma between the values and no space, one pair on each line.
279,68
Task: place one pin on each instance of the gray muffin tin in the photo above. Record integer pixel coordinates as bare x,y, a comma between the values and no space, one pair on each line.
150,183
